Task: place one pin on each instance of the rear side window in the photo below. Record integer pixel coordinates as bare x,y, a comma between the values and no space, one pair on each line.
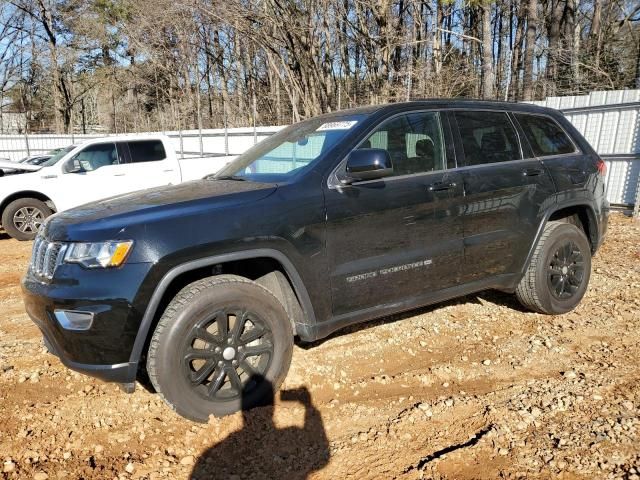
544,135
487,137
146,151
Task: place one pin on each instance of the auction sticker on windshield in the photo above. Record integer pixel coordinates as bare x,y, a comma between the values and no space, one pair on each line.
345,125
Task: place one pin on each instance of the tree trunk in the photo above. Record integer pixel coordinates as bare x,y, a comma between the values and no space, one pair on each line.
569,50
553,27
532,26
487,56
516,53
499,68
56,76
222,71
437,41
594,32
637,80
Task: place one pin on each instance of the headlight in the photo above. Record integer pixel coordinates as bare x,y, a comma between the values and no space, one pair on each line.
99,255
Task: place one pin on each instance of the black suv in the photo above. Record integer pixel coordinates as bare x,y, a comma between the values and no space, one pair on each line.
335,220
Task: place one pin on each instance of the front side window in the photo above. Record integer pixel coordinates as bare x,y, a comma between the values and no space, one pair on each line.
414,142
487,137
544,135
94,157
146,151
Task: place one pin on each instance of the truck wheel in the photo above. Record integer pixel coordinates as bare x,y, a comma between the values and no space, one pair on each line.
558,275
23,217
222,345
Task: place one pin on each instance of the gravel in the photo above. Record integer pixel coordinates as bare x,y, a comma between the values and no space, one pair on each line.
472,388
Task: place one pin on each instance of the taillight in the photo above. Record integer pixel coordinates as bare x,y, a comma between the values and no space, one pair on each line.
601,166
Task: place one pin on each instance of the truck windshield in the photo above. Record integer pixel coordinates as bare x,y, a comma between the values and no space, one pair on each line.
54,159
290,151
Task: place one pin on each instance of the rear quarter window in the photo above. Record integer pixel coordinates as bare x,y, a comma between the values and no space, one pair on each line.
545,136
146,151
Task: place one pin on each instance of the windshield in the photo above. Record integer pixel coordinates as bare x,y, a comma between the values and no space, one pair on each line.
290,151
54,159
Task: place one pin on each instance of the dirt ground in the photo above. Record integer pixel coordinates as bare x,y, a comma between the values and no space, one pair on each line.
473,388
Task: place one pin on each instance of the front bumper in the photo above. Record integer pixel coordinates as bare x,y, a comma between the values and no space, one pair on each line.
112,295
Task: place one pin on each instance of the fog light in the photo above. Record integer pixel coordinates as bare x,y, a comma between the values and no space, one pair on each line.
71,320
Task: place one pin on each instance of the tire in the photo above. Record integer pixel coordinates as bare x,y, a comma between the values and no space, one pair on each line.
23,217
189,341
559,271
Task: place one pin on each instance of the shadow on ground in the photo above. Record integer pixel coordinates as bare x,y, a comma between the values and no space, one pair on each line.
260,450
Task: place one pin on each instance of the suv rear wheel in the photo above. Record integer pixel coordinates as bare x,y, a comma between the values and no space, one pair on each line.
23,217
223,344
559,271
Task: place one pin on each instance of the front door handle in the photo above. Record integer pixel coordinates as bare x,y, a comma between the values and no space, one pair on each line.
119,174
441,186
532,172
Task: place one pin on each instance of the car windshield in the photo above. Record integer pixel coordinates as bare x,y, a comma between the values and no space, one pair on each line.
290,151
54,159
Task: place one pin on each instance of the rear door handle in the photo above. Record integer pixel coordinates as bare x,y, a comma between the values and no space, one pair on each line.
119,174
441,186
532,172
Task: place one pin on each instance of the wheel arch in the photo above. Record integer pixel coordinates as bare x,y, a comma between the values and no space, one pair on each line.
164,289
25,194
580,210
582,216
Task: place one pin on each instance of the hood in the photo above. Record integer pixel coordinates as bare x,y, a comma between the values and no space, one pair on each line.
7,165
145,206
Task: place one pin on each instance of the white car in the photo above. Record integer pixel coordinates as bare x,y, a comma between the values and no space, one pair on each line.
94,170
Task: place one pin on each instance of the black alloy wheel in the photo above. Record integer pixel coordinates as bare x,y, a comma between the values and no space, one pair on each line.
566,271
222,353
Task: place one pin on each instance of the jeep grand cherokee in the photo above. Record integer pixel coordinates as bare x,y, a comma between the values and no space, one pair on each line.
335,220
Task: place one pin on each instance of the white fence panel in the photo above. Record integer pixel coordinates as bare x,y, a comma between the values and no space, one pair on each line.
622,179
610,121
188,143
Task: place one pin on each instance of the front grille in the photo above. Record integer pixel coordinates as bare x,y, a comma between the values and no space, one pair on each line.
46,256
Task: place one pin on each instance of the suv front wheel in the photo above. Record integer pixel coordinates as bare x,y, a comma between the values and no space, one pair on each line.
223,344
559,271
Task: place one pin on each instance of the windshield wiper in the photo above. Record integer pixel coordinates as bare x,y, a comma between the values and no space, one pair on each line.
228,177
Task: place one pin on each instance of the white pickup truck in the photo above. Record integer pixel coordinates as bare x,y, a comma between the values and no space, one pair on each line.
96,169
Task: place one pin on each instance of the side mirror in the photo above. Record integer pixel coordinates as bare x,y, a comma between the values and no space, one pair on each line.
73,167
368,164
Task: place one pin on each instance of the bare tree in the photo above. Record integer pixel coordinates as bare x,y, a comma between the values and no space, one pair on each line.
169,64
